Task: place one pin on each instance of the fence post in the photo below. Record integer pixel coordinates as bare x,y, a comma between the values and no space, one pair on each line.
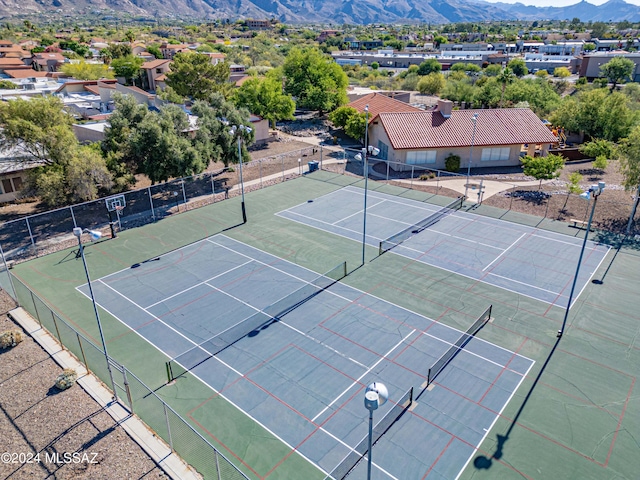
283,168
35,307
411,183
166,417
215,452
126,387
320,157
73,217
84,358
153,213
438,180
55,324
387,171
213,188
184,195
260,165
33,243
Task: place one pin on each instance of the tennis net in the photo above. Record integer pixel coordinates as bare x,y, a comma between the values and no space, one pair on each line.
353,458
396,239
444,360
200,353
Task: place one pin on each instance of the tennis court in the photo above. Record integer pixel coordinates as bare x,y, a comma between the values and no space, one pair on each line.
295,352
536,263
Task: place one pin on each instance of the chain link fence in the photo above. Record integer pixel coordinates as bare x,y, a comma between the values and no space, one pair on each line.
130,392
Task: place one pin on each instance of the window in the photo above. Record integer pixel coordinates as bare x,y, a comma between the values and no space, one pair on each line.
17,183
495,154
384,150
423,156
7,187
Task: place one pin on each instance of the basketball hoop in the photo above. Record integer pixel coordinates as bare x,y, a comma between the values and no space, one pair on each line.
119,208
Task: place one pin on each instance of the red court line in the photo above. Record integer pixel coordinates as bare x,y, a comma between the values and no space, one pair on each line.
408,345
604,337
624,409
439,457
504,368
476,448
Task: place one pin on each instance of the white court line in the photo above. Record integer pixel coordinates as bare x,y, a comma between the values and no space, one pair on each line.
590,277
495,420
505,251
327,223
357,213
362,292
198,284
526,284
384,357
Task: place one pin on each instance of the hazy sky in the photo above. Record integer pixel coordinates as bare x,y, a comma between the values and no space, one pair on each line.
558,3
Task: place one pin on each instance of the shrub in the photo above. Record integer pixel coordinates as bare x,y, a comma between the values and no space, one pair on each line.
10,339
452,163
66,379
601,162
424,177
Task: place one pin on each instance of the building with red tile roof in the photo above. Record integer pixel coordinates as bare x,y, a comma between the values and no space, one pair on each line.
379,103
427,138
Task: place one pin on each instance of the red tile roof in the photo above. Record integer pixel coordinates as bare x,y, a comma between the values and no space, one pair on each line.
379,103
154,63
501,126
25,73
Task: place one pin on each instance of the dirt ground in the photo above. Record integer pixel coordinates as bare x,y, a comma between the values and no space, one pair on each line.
39,424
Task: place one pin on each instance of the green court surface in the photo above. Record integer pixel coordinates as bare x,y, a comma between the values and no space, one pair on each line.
575,416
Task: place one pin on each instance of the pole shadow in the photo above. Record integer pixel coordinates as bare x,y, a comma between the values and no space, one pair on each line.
484,463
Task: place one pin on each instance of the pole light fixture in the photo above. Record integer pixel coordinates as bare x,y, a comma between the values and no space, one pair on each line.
239,132
594,191
375,396
95,235
474,119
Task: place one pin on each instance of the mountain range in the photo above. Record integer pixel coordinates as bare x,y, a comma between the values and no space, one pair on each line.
334,12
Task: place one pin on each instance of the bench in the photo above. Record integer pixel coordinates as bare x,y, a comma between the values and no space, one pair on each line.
578,223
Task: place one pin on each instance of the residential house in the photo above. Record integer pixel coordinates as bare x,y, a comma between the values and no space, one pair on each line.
427,138
539,61
254,24
380,103
260,128
169,50
47,62
12,64
155,71
326,34
14,168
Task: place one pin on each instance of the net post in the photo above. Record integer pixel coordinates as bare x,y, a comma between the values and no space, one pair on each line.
169,374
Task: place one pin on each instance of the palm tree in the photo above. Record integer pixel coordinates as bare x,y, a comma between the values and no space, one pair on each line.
505,77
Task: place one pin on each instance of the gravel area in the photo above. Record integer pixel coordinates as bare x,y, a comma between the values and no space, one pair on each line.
37,418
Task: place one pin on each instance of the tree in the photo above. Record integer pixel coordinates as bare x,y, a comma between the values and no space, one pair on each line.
193,75
518,67
38,128
127,67
629,156
264,97
212,137
597,148
465,67
375,65
617,70
561,72
492,70
352,121
86,71
589,47
160,149
315,81
154,50
506,77
430,65
119,50
432,84
543,168
596,114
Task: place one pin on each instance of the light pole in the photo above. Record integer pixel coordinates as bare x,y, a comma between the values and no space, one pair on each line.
594,190
240,130
366,151
95,235
474,119
375,396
